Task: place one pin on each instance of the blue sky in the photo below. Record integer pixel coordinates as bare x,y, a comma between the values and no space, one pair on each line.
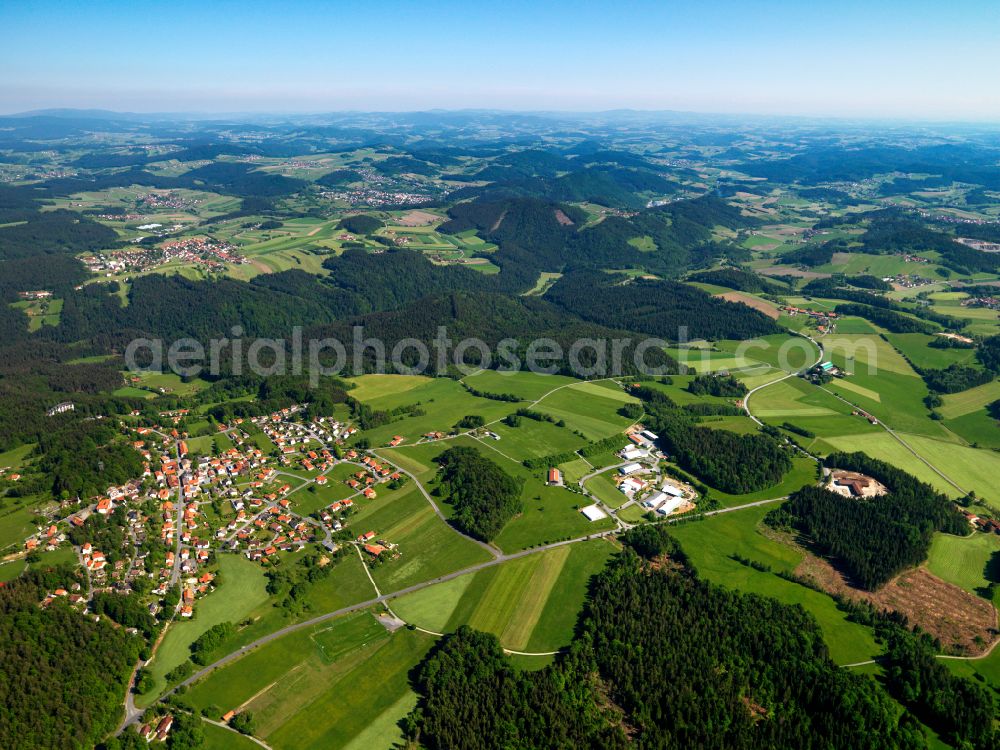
912,59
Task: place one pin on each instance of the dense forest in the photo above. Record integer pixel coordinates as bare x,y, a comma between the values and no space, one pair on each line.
484,497
735,278
963,712
62,677
86,458
665,309
955,378
722,459
871,539
717,385
661,660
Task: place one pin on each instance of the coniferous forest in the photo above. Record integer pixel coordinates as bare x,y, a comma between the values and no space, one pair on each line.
662,659
43,647
874,538
724,460
483,495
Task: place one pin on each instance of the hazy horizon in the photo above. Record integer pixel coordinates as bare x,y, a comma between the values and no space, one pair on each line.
901,60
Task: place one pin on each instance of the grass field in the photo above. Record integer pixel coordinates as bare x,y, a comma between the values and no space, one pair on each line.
603,487
782,351
535,439
587,410
970,468
574,471
443,401
963,560
527,385
16,457
877,265
973,469
978,429
531,604
428,546
314,688
800,403
882,383
550,513
545,280
710,543
915,347
852,324
15,525
988,669
242,590
346,584
217,738
370,387
966,402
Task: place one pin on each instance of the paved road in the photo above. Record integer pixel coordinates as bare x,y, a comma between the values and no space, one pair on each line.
499,559
746,399
383,598
902,442
493,551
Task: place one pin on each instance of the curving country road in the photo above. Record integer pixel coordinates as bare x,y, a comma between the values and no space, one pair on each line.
383,598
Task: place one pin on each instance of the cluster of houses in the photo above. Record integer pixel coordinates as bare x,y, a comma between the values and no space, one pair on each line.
274,530
291,437
166,200
185,504
826,321
203,250
986,525
75,599
908,280
195,250
377,549
989,302
157,730
377,197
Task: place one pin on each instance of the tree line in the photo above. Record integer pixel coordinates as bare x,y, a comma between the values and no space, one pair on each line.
872,539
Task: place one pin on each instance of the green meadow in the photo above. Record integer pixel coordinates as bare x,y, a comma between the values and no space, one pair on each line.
531,603
241,590
965,561
711,542
315,688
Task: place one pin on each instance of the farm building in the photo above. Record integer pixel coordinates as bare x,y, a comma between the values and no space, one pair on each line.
672,490
593,513
632,453
852,484
670,506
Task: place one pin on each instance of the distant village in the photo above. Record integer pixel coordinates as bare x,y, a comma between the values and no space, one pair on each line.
203,251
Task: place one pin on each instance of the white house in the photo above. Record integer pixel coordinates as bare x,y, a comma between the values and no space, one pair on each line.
654,500
670,506
632,453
